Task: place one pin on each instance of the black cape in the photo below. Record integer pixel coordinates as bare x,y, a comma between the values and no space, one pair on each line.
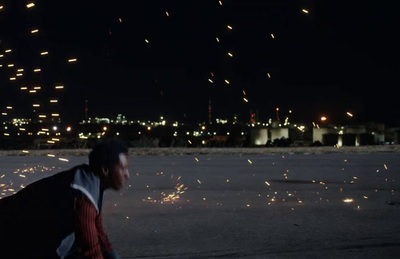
34,220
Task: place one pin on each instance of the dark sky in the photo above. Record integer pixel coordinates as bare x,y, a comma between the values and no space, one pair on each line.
339,57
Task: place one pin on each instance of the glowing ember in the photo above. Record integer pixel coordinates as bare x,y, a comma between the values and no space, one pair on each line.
179,190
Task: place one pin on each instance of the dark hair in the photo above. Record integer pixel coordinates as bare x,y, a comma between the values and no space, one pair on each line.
106,153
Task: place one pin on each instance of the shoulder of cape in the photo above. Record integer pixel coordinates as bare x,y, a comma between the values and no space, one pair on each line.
88,183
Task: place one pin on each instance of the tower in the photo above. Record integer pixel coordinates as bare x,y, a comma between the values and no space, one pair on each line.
86,110
209,111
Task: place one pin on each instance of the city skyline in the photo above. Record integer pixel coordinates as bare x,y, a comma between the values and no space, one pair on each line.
169,58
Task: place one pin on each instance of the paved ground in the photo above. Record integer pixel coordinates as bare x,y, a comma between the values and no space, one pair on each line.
244,206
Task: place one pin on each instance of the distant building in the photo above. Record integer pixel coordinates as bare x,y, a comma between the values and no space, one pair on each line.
259,136
353,135
392,136
278,133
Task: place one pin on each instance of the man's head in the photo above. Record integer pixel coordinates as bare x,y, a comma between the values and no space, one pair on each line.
109,159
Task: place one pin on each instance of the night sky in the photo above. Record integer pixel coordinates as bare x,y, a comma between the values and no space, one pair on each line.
336,58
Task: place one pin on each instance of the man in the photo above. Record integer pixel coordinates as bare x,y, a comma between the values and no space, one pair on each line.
60,216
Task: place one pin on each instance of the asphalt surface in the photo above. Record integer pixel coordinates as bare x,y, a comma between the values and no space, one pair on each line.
244,206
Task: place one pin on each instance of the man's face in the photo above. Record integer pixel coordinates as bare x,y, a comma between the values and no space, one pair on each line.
119,173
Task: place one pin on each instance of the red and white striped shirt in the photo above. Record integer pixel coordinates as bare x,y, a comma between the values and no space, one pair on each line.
90,234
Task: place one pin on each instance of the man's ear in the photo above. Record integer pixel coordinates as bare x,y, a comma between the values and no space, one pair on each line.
105,171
